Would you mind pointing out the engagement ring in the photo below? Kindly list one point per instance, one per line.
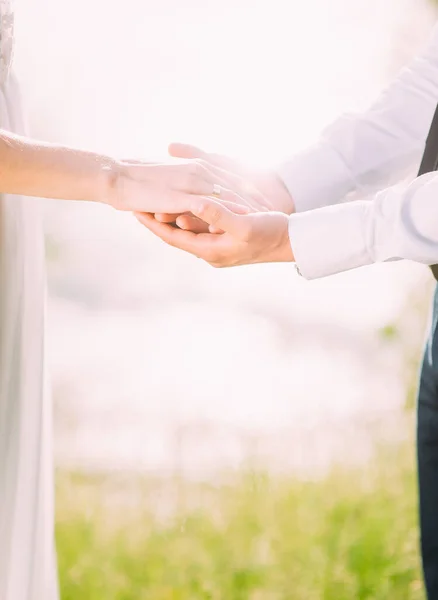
(216, 190)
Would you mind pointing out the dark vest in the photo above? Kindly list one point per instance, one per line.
(429, 161)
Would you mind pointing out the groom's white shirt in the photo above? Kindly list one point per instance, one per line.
(366, 153)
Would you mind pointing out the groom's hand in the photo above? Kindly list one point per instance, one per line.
(258, 190)
(250, 238)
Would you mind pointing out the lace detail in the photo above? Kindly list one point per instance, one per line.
(6, 38)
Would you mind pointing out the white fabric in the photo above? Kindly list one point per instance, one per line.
(27, 556)
(363, 154)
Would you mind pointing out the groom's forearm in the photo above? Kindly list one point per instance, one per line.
(34, 168)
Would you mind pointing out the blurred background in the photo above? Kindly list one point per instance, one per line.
(238, 433)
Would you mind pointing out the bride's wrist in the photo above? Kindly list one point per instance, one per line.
(111, 174)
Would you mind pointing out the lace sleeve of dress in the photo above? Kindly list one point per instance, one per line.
(6, 38)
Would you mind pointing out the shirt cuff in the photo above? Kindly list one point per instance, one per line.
(317, 177)
(330, 240)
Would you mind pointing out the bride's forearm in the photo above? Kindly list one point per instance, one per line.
(33, 168)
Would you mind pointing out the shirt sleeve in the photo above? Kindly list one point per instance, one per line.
(399, 223)
(367, 152)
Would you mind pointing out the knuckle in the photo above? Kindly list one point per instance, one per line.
(195, 177)
(196, 169)
(187, 177)
(200, 165)
(190, 181)
(214, 215)
(202, 211)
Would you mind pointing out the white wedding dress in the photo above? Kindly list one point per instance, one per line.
(27, 554)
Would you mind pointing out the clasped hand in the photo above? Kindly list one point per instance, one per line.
(246, 223)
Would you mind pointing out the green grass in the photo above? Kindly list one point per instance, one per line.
(350, 536)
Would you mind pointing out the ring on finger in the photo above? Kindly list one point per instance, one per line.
(216, 190)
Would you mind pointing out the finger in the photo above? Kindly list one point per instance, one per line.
(228, 199)
(225, 170)
(219, 216)
(249, 195)
(191, 223)
(167, 217)
(248, 192)
(203, 245)
(137, 161)
(185, 151)
(232, 201)
(157, 200)
(227, 163)
(229, 172)
(178, 150)
(184, 221)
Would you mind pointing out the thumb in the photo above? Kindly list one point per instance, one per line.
(238, 209)
(185, 151)
(219, 217)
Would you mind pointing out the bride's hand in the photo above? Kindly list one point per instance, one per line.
(171, 188)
